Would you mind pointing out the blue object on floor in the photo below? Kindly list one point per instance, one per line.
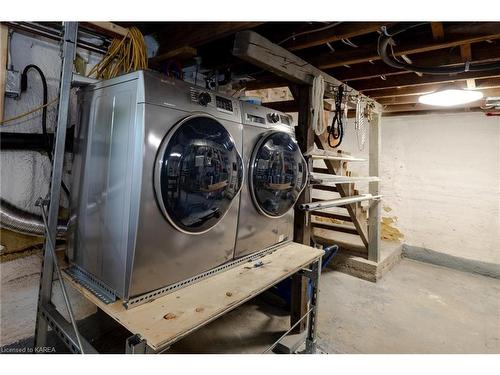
(284, 288)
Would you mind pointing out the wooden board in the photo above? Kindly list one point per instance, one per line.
(181, 53)
(4, 35)
(254, 48)
(108, 28)
(173, 316)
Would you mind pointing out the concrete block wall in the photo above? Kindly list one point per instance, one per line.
(25, 176)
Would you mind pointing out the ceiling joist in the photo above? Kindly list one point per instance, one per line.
(195, 34)
(455, 35)
(485, 83)
(414, 80)
(344, 30)
(437, 31)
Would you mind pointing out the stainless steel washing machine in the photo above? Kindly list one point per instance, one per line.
(277, 174)
(157, 177)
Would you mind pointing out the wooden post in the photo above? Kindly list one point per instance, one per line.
(374, 189)
(4, 36)
(302, 229)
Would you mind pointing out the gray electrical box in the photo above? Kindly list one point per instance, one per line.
(13, 83)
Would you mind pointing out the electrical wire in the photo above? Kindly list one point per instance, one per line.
(336, 130)
(123, 56)
(385, 39)
(318, 92)
(329, 26)
(24, 87)
(17, 117)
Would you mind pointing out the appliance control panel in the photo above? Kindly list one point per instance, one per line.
(208, 99)
(223, 103)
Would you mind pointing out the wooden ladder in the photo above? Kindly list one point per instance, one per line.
(349, 231)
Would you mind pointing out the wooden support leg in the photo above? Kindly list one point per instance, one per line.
(374, 189)
(4, 32)
(302, 229)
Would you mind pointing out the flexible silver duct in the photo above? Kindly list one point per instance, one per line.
(23, 222)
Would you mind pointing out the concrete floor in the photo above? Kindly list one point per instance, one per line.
(415, 308)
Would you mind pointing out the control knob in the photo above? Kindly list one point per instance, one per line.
(273, 117)
(204, 98)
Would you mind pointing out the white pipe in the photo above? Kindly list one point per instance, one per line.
(337, 202)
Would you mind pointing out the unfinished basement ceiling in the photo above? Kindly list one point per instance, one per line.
(348, 52)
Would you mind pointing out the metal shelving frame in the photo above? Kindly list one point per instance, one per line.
(47, 315)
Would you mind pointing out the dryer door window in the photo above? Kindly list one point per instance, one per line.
(198, 173)
(278, 174)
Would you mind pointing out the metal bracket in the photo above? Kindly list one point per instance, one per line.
(137, 345)
(63, 329)
(139, 300)
(311, 331)
(96, 287)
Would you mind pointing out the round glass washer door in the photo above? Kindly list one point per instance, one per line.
(278, 174)
(198, 173)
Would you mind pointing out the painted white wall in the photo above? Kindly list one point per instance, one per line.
(441, 177)
(441, 181)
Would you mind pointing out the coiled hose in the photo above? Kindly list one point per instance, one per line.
(17, 220)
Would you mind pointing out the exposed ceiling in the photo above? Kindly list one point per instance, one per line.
(348, 52)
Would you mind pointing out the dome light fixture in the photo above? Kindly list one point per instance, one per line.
(450, 97)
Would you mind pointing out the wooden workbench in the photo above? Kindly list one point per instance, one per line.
(169, 318)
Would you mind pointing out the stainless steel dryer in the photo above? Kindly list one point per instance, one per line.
(277, 174)
(157, 176)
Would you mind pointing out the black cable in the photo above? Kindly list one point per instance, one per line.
(386, 37)
(24, 87)
(48, 139)
(336, 130)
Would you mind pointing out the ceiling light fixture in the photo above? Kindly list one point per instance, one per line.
(450, 97)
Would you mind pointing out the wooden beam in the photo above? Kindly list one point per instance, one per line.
(283, 106)
(466, 52)
(422, 107)
(329, 188)
(437, 31)
(343, 31)
(412, 99)
(334, 227)
(4, 37)
(455, 35)
(107, 28)
(291, 106)
(302, 228)
(181, 53)
(432, 111)
(484, 83)
(268, 81)
(331, 215)
(256, 49)
(374, 213)
(195, 34)
(414, 80)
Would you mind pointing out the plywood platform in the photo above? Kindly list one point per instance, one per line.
(173, 316)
